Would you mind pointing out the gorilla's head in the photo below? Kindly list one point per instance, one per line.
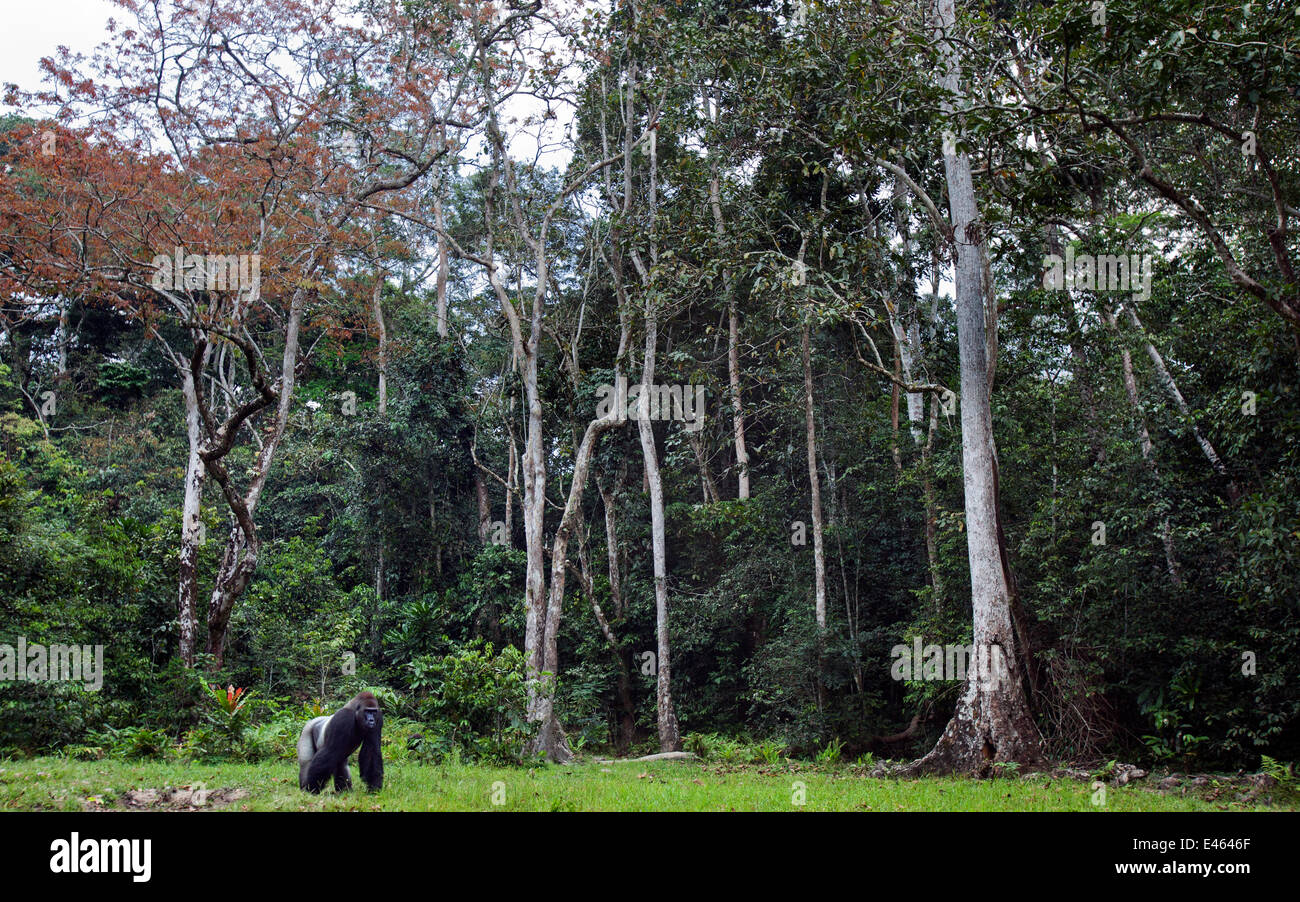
(367, 709)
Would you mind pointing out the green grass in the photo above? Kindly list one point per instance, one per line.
(61, 784)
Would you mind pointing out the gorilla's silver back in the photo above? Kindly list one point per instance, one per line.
(309, 740)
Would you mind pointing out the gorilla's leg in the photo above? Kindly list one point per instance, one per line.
(342, 776)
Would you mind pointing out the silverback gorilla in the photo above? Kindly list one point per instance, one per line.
(326, 743)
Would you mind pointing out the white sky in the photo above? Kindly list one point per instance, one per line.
(35, 28)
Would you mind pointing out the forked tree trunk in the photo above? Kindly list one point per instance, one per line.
(239, 560)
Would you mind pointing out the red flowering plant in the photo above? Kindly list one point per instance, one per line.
(230, 711)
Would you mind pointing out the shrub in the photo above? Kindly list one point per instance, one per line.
(476, 699)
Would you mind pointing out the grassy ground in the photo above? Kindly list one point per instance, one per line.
(60, 784)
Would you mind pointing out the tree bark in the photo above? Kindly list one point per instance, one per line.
(992, 723)
(669, 736)
(441, 309)
(814, 484)
(239, 560)
(191, 529)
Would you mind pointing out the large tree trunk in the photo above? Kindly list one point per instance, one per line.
(191, 529)
(814, 484)
(932, 508)
(441, 309)
(552, 739)
(541, 688)
(904, 321)
(484, 507)
(669, 737)
(381, 328)
(992, 723)
(239, 560)
(627, 722)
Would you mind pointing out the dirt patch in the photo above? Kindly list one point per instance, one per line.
(1250, 789)
(180, 798)
(1247, 788)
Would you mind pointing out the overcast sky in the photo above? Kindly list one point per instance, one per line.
(34, 28)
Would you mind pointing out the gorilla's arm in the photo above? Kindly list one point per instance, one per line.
(370, 759)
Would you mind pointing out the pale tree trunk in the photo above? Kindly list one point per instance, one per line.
(540, 708)
(191, 528)
(904, 323)
(894, 395)
(733, 317)
(382, 331)
(992, 722)
(554, 743)
(1167, 382)
(927, 453)
(381, 327)
(814, 483)
(931, 508)
(669, 735)
(626, 733)
(512, 466)
(1144, 440)
(542, 612)
(484, 507)
(552, 739)
(540, 702)
(64, 337)
(707, 485)
(441, 309)
(239, 560)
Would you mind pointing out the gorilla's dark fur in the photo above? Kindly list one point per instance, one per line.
(327, 742)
